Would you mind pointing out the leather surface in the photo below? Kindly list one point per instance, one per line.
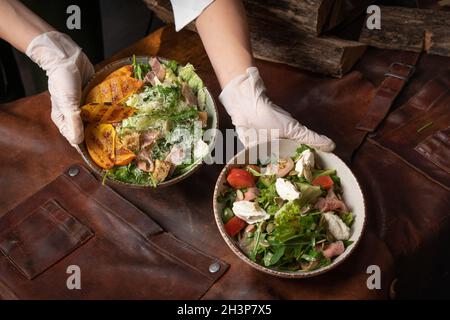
(402, 222)
(419, 131)
(121, 253)
(396, 77)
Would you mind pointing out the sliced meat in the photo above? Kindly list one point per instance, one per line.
(157, 69)
(188, 95)
(148, 138)
(331, 203)
(176, 156)
(251, 194)
(333, 250)
(152, 78)
(281, 168)
(144, 161)
(145, 165)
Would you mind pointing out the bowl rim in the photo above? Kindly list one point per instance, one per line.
(112, 66)
(283, 274)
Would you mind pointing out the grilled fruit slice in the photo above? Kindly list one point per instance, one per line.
(114, 90)
(124, 71)
(100, 141)
(105, 112)
(123, 155)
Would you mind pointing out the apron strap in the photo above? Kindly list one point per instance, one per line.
(398, 75)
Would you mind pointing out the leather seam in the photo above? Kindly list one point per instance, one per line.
(417, 116)
(167, 253)
(161, 250)
(407, 163)
(92, 196)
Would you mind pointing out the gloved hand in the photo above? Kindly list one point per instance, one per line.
(250, 109)
(68, 69)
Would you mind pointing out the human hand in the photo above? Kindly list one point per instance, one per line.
(67, 68)
(251, 110)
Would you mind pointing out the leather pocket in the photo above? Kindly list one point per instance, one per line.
(44, 237)
(418, 132)
(436, 148)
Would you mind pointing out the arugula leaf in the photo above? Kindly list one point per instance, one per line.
(347, 243)
(336, 180)
(271, 258)
(190, 113)
(257, 237)
(311, 256)
(132, 174)
(227, 215)
(267, 199)
(227, 197)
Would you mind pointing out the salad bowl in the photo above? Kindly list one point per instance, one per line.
(211, 123)
(269, 152)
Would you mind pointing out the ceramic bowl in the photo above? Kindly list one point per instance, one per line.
(98, 77)
(352, 195)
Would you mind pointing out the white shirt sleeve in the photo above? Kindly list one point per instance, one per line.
(185, 11)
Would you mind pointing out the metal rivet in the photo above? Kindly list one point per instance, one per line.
(73, 172)
(213, 268)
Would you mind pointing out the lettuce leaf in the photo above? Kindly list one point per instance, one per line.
(187, 74)
(201, 97)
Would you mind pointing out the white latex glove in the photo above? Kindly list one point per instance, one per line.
(68, 69)
(250, 109)
(186, 11)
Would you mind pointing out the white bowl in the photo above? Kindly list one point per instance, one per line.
(352, 195)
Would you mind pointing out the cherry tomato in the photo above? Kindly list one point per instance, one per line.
(234, 226)
(324, 181)
(240, 178)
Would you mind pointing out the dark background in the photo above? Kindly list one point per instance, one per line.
(106, 27)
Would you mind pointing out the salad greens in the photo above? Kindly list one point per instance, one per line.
(304, 231)
(140, 69)
(165, 131)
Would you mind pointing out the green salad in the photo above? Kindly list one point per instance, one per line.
(287, 215)
(166, 129)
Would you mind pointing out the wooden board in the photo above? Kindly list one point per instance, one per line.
(411, 29)
(345, 11)
(311, 16)
(279, 40)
